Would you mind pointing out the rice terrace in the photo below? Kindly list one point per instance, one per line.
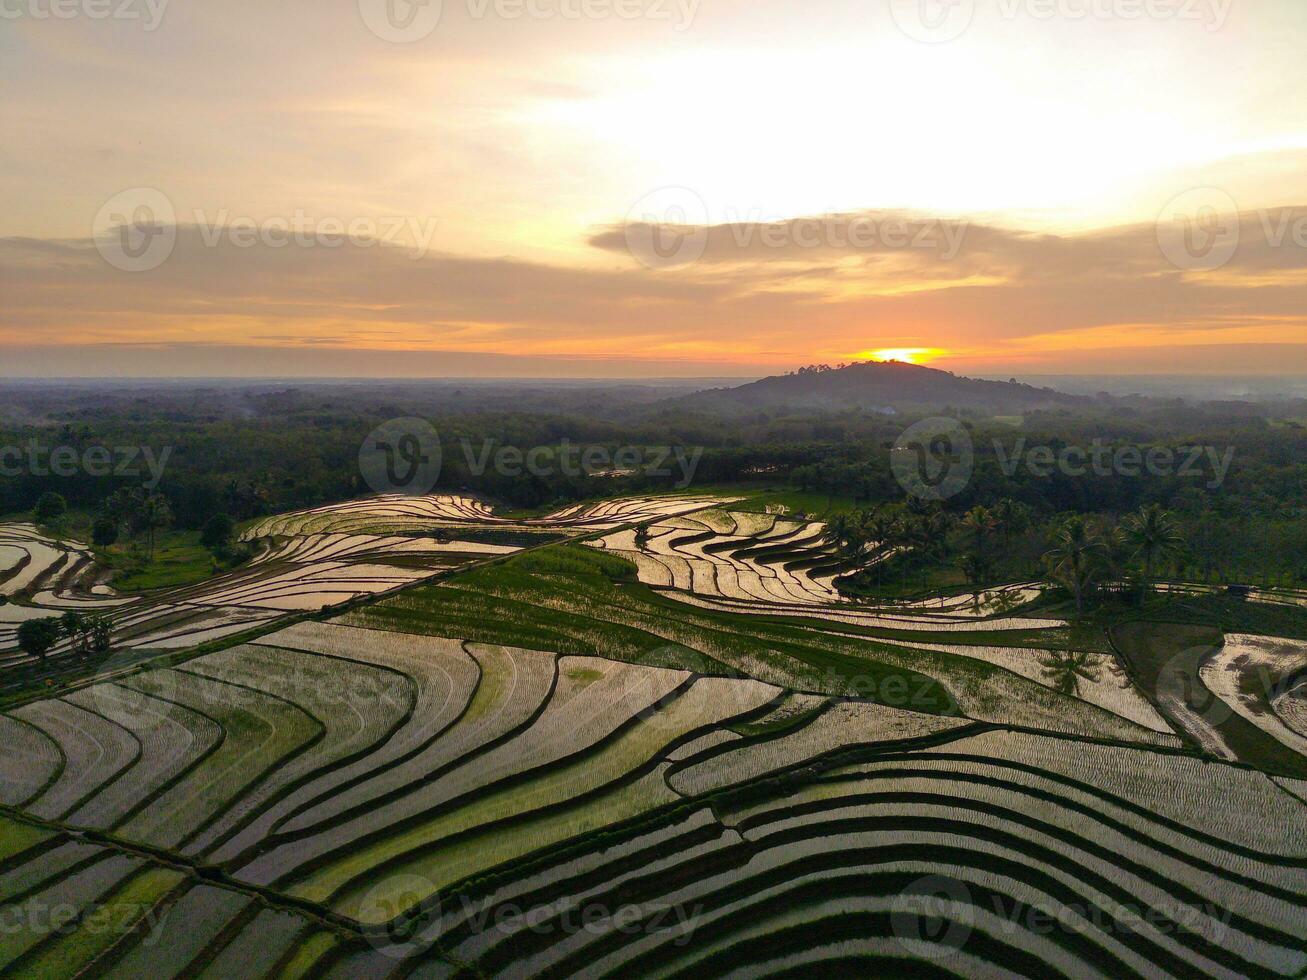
(649, 737)
(623, 489)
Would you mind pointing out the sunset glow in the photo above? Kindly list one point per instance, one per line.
(908, 355)
(805, 193)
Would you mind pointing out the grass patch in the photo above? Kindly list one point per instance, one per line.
(816, 505)
(179, 559)
(574, 599)
(1165, 660)
(104, 925)
(17, 836)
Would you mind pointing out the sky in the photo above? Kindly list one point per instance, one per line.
(626, 188)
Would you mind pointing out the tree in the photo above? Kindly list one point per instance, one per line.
(121, 506)
(217, 532)
(50, 507)
(72, 627)
(1066, 668)
(87, 633)
(155, 514)
(1010, 519)
(1154, 536)
(37, 636)
(104, 532)
(1078, 556)
(978, 526)
(99, 633)
(837, 530)
(882, 531)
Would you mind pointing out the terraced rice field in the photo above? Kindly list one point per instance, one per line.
(570, 764)
(308, 560)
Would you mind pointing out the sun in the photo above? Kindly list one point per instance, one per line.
(908, 355)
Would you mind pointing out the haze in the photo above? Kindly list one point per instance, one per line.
(1006, 200)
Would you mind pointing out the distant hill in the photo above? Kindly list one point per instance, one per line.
(884, 385)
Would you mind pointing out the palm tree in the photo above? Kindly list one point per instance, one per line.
(882, 531)
(937, 526)
(1010, 517)
(1078, 555)
(73, 627)
(1066, 668)
(155, 514)
(837, 529)
(879, 527)
(1154, 536)
(978, 524)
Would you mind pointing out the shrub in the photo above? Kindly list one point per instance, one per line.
(104, 532)
(50, 507)
(37, 636)
(217, 532)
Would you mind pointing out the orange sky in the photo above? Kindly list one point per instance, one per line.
(693, 188)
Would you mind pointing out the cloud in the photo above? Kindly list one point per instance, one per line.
(1003, 295)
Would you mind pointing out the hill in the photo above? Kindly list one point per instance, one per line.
(879, 385)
